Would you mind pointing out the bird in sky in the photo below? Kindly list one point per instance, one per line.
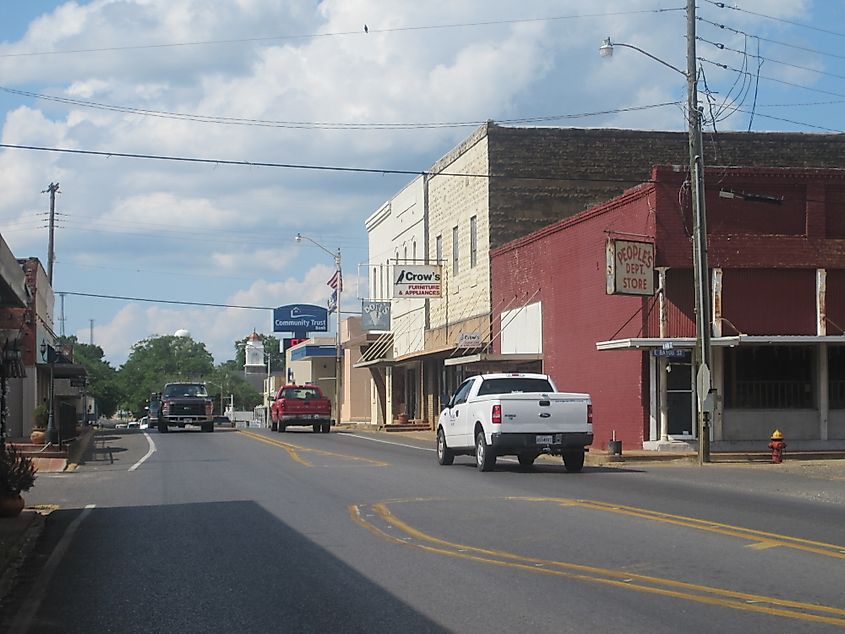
(366, 30)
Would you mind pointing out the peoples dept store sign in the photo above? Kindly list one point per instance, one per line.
(300, 318)
(630, 267)
(418, 280)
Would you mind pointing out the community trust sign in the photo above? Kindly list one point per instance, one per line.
(630, 267)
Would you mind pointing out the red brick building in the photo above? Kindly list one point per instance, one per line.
(776, 248)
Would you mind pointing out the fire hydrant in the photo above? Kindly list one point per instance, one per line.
(777, 445)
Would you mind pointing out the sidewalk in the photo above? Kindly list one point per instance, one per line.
(598, 457)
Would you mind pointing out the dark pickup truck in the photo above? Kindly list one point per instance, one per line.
(301, 405)
(185, 404)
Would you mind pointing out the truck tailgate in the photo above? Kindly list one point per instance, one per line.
(531, 413)
(306, 406)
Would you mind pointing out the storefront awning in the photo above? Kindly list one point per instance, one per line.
(489, 357)
(646, 343)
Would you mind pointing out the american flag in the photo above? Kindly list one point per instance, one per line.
(336, 281)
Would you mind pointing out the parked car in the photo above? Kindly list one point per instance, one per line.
(222, 420)
(517, 414)
(144, 422)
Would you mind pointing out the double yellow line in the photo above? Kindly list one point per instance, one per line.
(379, 519)
(294, 451)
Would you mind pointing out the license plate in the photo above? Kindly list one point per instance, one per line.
(545, 439)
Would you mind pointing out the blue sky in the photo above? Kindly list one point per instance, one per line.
(302, 83)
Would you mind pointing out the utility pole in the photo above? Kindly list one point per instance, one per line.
(91, 332)
(703, 358)
(51, 255)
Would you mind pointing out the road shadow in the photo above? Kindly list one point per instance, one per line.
(206, 567)
(546, 467)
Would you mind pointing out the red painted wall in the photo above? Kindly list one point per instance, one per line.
(768, 253)
(567, 263)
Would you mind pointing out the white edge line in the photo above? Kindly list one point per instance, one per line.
(147, 455)
(388, 442)
(24, 618)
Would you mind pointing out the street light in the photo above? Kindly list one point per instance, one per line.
(338, 288)
(703, 350)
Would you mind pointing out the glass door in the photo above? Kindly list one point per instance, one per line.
(680, 394)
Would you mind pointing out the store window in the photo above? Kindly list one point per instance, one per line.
(836, 376)
(769, 377)
(473, 241)
(454, 250)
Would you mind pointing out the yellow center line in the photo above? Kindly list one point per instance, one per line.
(293, 451)
(770, 540)
(608, 576)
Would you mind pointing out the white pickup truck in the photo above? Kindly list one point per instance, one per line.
(517, 414)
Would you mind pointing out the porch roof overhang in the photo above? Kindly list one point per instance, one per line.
(373, 363)
(64, 370)
(489, 357)
(646, 343)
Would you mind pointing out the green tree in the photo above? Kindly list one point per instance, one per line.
(155, 361)
(227, 379)
(102, 378)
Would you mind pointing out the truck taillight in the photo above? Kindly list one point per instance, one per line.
(166, 407)
(209, 407)
(589, 413)
(496, 416)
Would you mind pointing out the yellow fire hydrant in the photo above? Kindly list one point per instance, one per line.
(777, 445)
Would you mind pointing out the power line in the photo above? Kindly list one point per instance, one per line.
(769, 40)
(320, 168)
(804, 25)
(725, 47)
(371, 31)
(165, 301)
(322, 125)
(777, 81)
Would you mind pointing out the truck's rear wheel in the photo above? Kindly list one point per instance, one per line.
(573, 460)
(326, 428)
(274, 426)
(162, 427)
(485, 456)
(208, 427)
(315, 428)
(283, 427)
(445, 456)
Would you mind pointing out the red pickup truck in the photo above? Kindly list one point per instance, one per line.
(301, 405)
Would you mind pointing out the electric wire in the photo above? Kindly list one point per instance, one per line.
(769, 40)
(300, 166)
(163, 301)
(371, 31)
(322, 125)
(773, 79)
(804, 25)
(722, 46)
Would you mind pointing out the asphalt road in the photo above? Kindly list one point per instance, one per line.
(256, 531)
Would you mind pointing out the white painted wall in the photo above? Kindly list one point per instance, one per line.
(452, 202)
(522, 329)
